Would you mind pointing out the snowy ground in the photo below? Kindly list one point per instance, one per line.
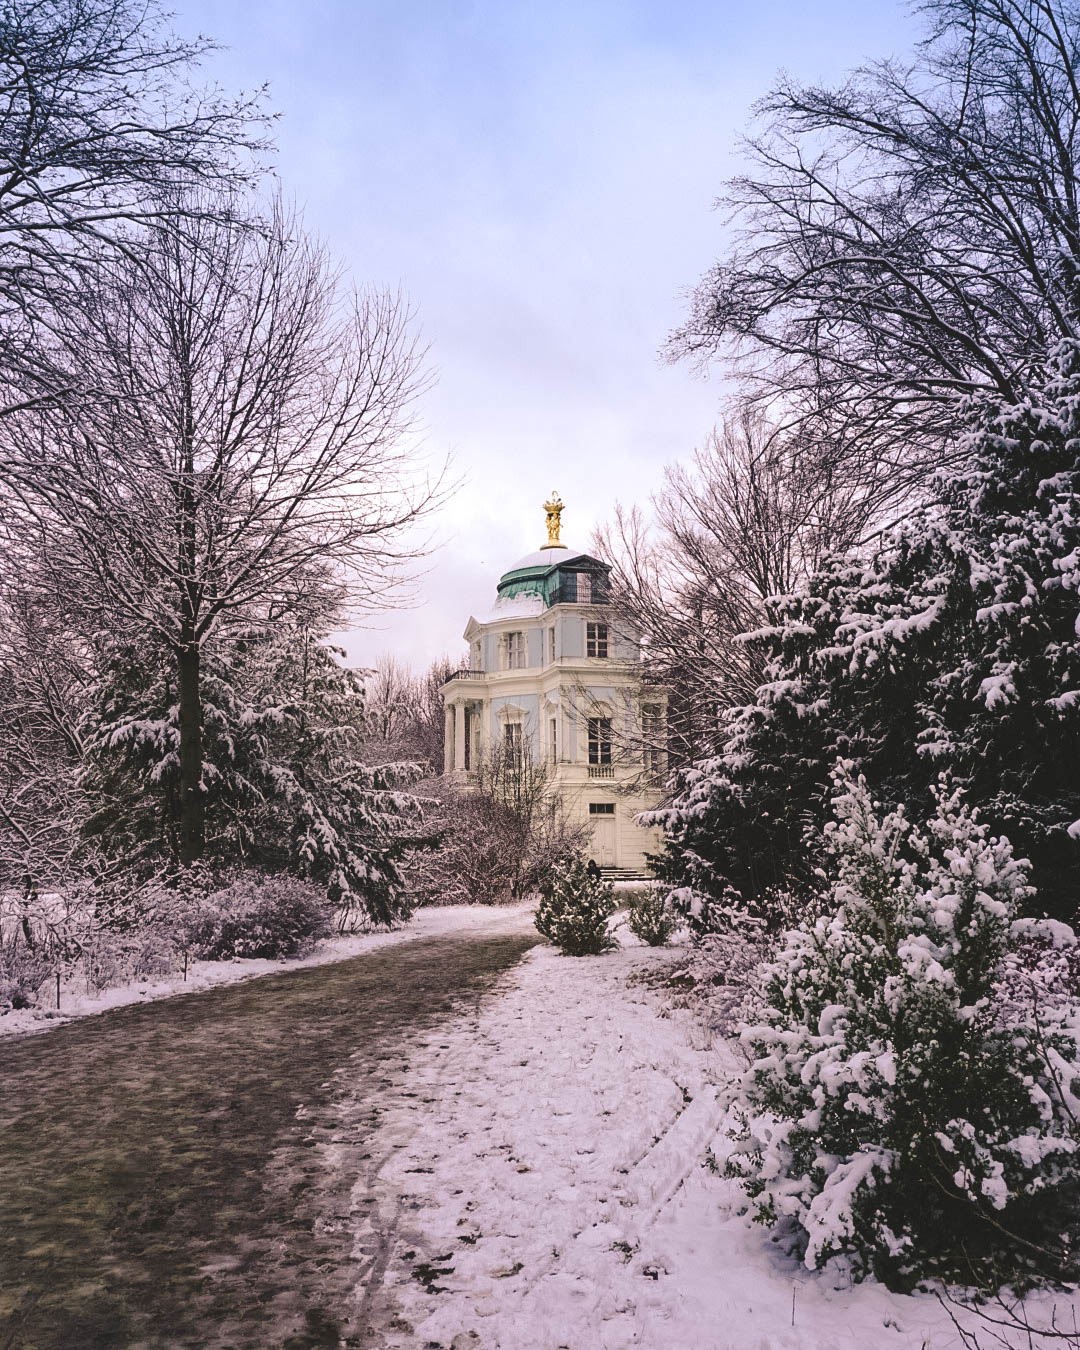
(207, 974)
(536, 1180)
(534, 1177)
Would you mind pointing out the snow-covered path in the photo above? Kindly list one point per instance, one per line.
(440, 1145)
(161, 1165)
(536, 1180)
(441, 921)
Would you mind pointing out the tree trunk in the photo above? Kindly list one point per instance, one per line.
(191, 823)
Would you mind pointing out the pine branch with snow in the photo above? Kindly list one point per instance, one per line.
(285, 786)
(955, 647)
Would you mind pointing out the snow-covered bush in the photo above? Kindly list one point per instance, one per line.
(23, 970)
(261, 916)
(904, 1106)
(108, 957)
(703, 913)
(650, 919)
(722, 974)
(574, 908)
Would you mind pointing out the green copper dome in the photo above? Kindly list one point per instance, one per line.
(535, 574)
(551, 574)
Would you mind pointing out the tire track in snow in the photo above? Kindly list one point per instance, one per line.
(562, 1119)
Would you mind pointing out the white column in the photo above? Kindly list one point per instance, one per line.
(483, 732)
(459, 737)
(448, 740)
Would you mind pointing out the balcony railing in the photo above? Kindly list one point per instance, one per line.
(569, 595)
(464, 675)
(601, 771)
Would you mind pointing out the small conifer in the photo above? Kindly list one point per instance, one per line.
(575, 905)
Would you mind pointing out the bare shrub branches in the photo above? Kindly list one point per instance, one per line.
(43, 680)
(498, 840)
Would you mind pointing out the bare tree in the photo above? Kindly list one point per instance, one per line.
(96, 116)
(43, 679)
(763, 507)
(753, 516)
(231, 450)
(425, 728)
(908, 239)
(404, 711)
(388, 697)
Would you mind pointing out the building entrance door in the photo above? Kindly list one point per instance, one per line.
(602, 820)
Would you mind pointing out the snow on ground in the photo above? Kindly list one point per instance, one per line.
(536, 1179)
(446, 920)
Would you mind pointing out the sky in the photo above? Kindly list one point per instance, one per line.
(539, 180)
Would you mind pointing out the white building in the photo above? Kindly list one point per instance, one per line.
(554, 679)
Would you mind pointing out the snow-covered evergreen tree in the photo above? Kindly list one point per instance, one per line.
(904, 1107)
(955, 647)
(575, 905)
(284, 783)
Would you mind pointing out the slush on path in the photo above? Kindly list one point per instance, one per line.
(159, 1176)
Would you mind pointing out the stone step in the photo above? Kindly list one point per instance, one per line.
(626, 874)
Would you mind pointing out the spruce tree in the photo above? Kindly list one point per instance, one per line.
(954, 646)
(285, 786)
(910, 1098)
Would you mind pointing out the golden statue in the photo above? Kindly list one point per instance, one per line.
(554, 509)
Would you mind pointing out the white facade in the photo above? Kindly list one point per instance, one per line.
(554, 681)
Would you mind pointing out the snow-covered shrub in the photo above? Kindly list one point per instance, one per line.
(574, 908)
(650, 919)
(904, 1106)
(1041, 971)
(23, 970)
(108, 958)
(261, 916)
(703, 913)
(726, 913)
(723, 972)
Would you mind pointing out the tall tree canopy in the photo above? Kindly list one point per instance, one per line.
(750, 519)
(909, 238)
(908, 286)
(97, 117)
(229, 455)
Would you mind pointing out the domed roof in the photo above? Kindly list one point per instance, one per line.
(537, 573)
(542, 561)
